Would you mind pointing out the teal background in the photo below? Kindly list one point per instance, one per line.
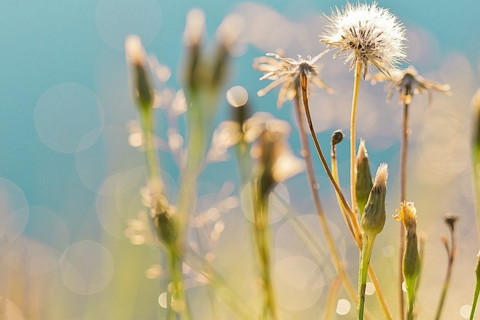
(80, 42)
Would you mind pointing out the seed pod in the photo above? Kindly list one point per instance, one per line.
(364, 177)
(142, 85)
(373, 219)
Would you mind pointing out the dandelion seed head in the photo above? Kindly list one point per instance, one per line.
(286, 72)
(409, 83)
(368, 34)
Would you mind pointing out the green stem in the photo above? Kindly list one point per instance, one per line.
(262, 236)
(475, 299)
(403, 197)
(363, 271)
(353, 124)
(178, 302)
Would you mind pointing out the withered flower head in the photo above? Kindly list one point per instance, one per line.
(286, 72)
(275, 160)
(407, 214)
(368, 34)
(409, 83)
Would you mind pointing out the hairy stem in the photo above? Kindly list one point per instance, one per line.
(363, 271)
(353, 141)
(403, 197)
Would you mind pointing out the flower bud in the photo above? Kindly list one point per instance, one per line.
(142, 86)
(165, 227)
(364, 182)
(373, 219)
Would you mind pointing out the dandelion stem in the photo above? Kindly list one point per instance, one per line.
(303, 81)
(316, 198)
(477, 288)
(475, 300)
(353, 124)
(365, 255)
(451, 257)
(403, 198)
(357, 237)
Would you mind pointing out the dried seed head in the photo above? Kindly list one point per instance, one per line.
(409, 83)
(286, 72)
(368, 34)
(364, 177)
(142, 86)
(373, 219)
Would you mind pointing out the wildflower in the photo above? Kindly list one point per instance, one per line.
(407, 214)
(286, 72)
(370, 34)
(409, 83)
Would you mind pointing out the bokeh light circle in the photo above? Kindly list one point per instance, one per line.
(116, 19)
(299, 282)
(86, 267)
(64, 114)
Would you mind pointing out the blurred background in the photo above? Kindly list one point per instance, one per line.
(71, 169)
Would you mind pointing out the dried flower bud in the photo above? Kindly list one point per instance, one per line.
(193, 38)
(407, 214)
(373, 219)
(364, 177)
(411, 259)
(477, 269)
(165, 227)
(142, 87)
(450, 221)
(227, 34)
(337, 137)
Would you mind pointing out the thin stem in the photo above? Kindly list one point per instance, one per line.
(331, 299)
(354, 221)
(379, 292)
(353, 141)
(316, 199)
(403, 197)
(303, 81)
(348, 222)
(177, 303)
(475, 299)
(262, 237)
(153, 168)
(451, 257)
(363, 271)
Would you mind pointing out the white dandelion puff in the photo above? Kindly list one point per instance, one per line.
(367, 34)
